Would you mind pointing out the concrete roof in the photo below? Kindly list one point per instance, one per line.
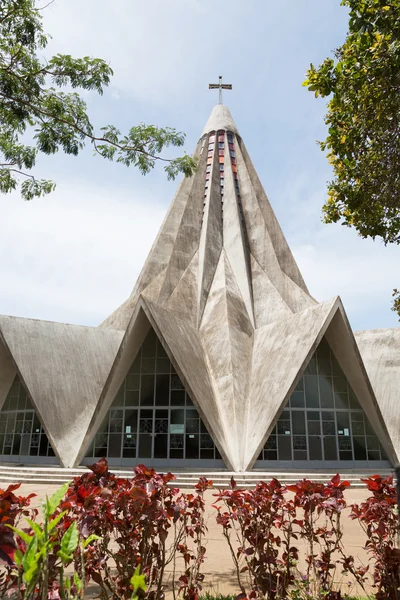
(224, 294)
(64, 368)
(226, 298)
(380, 351)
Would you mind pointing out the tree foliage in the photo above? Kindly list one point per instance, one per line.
(363, 114)
(35, 108)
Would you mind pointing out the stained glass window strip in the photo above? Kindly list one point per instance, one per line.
(21, 433)
(323, 420)
(232, 155)
(152, 415)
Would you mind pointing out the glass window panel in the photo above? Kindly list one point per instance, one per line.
(297, 399)
(283, 426)
(353, 400)
(284, 447)
(330, 451)
(148, 365)
(324, 367)
(323, 350)
(300, 385)
(313, 415)
(163, 365)
(311, 367)
(131, 420)
(119, 397)
(147, 390)
(161, 446)
(176, 383)
(25, 441)
(271, 443)
(300, 454)
(149, 345)
(188, 400)
(343, 423)
(299, 442)
(271, 455)
(145, 445)
(372, 442)
(311, 390)
(314, 428)
(341, 400)
(357, 427)
(314, 448)
(177, 398)
(340, 384)
(368, 429)
(328, 428)
(135, 368)
(336, 369)
(326, 391)
(298, 422)
(132, 398)
(178, 416)
(43, 445)
(373, 455)
(345, 455)
(345, 443)
(206, 454)
(162, 390)
(192, 446)
(360, 452)
(132, 382)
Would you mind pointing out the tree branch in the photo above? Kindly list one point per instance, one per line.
(40, 111)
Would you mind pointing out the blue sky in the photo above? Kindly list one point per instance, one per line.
(75, 255)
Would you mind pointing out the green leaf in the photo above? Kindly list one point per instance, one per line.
(56, 520)
(18, 557)
(54, 501)
(138, 581)
(36, 528)
(30, 562)
(22, 534)
(66, 558)
(70, 539)
(77, 582)
(90, 539)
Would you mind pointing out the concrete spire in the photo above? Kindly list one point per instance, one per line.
(222, 289)
(220, 118)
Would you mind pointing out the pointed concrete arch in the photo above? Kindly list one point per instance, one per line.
(8, 371)
(300, 336)
(63, 367)
(185, 353)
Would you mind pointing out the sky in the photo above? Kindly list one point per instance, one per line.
(74, 256)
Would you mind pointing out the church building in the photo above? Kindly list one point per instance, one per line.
(220, 358)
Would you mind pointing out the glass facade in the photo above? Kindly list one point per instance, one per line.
(323, 420)
(21, 433)
(152, 416)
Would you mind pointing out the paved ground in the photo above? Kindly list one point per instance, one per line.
(218, 568)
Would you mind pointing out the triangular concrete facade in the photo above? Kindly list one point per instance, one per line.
(64, 368)
(225, 295)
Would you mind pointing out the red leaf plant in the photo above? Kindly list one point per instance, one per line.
(379, 520)
(261, 527)
(140, 521)
(258, 526)
(13, 509)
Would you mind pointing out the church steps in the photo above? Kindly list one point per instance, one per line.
(185, 480)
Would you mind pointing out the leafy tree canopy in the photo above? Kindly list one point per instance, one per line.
(363, 116)
(34, 106)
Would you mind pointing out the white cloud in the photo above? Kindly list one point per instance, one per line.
(74, 256)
